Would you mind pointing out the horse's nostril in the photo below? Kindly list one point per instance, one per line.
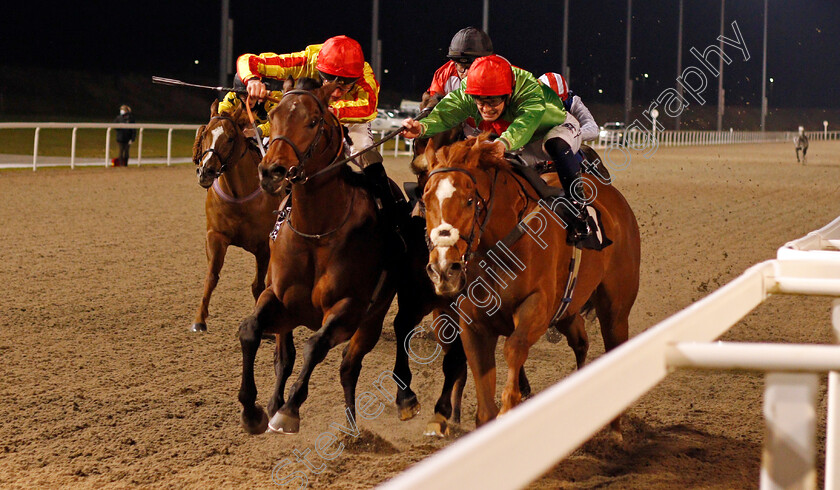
(444, 233)
(432, 271)
(279, 171)
(455, 266)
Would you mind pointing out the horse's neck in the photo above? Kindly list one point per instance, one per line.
(318, 207)
(241, 178)
(510, 205)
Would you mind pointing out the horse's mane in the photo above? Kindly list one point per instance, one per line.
(474, 153)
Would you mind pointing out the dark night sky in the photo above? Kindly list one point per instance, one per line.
(164, 38)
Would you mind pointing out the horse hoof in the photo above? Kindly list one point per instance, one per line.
(198, 327)
(408, 412)
(284, 424)
(437, 427)
(254, 421)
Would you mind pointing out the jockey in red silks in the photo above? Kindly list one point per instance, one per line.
(341, 60)
(529, 117)
(467, 45)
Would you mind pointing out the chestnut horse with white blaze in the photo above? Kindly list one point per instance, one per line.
(474, 200)
(329, 267)
(238, 212)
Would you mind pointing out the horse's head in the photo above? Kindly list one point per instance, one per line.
(456, 196)
(215, 144)
(305, 136)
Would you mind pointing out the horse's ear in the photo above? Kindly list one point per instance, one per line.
(429, 155)
(197, 143)
(289, 84)
(239, 115)
(495, 149)
(214, 108)
(325, 91)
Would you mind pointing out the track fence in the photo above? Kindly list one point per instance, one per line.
(37, 158)
(641, 139)
(552, 424)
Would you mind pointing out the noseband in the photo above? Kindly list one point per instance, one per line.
(223, 161)
(479, 205)
(297, 173)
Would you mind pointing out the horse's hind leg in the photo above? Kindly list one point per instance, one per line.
(284, 362)
(574, 328)
(215, 247)
(254, 418)
(612, 304)
(333, 331)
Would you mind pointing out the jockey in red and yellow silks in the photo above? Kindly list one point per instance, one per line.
(354, 101)
(357, 105)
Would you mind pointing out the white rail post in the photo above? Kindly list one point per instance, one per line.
(107, 146)
(35, 150)
(139, 146)
(832, 430)
(789, 454)
(169, 147)
(73, 149)
(396, 145)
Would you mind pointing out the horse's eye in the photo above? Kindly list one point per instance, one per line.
(469, 202)
(313, 123)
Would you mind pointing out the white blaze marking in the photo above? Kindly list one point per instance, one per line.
(217, 131)
(444, 191)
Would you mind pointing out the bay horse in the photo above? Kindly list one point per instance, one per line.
(473, 202)
(238, 212)
(801, 143)
(329, 265)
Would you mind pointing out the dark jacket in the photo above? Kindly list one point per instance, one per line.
(125, 135)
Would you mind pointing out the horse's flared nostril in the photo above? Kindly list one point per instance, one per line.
(455, 267)
(433, 272)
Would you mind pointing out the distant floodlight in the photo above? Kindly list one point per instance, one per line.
(195, 61)
(386, 70)
(600, 91)
(771, 79)
(646, 75)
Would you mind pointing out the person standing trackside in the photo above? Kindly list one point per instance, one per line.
(125, 136)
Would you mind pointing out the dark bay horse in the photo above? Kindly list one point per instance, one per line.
(238, 212)
(473, 202)
(329, 266)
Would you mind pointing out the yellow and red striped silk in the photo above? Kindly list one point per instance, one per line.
(357, 105)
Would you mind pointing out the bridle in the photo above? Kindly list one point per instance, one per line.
(223, 161)
(297, 173)
(479, 206)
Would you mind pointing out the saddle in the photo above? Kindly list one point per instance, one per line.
(597, 240)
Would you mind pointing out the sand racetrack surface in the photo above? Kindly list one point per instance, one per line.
(103, 385)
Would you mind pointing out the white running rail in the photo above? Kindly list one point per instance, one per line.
(640, 139)
(552, 424)
(107, 127)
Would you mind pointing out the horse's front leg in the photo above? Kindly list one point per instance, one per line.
(480, 349)
(262, 256)
(334, 330)
(215, 246)
(530, 321)
(254, 419)
(284, 362)
(454, 373)
(409, 315)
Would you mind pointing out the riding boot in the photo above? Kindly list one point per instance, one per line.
(568, 170)
(392, 209)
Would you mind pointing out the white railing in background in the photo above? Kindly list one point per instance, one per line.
(699, 138)
(519, 447)
(169, 128)
(398, 141)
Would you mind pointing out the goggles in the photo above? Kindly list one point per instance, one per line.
(492, 101)
(343, 82)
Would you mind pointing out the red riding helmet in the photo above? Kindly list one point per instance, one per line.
(342, 57)
(557, 83)
(489, 76)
